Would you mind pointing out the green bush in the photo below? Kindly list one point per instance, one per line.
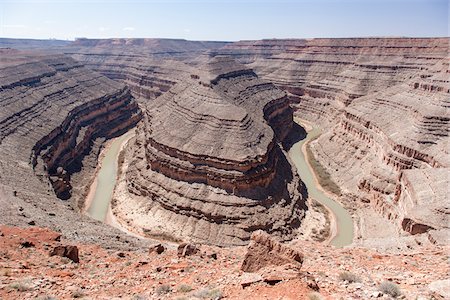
(78, 294)
(315, 296)
(184, 288)
(390, 288)
(348, 276)
(163, 289)
(212, 294)
(20, 286)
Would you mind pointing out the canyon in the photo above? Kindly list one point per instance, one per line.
(214, 122)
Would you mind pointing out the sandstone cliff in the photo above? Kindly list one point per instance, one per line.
(207, 162)
(55, 114)
(384, 105)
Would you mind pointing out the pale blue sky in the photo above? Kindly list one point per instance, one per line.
(222, 19)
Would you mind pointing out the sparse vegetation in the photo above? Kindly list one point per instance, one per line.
(160, 236)
(5, 272)
(212, 294)
(20, 286)
(47, 297)
(184, 288)
(349, 277)
(324, 232)
(315, 296)
(322, 174)
(163, 289)
(78, 294)
(390, 288)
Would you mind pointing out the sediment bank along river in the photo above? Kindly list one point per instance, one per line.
(102, 189)
(99, 197)
(343, 221)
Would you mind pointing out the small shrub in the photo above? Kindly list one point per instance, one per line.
(212, 294)
(184, 288)
(5, 272)
(20, 286)
(315, 296)
(47, 297)
(390, 288)
(348, 276)
(78, 294)
(163, 289)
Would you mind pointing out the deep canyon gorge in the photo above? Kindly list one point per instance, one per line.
(214, 126)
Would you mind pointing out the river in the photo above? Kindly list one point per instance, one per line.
(344, 222)
(106, 178)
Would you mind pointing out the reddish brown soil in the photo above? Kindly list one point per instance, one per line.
(30, 273)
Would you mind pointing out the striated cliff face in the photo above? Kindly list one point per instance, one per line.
(149, 67)
(207, 162)
(384, 105)
(147, 77)
(53, 111)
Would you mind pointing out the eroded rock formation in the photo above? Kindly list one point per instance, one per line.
(208, 159)
(149, 67)
(384, 103)
(53, 111)
(264, 251)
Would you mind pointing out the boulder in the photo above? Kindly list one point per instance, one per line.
(159, 248)
(187, 249)
(440, 289)
(264, 251)
(71, 252)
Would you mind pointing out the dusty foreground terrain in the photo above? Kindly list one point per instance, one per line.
(27, 271)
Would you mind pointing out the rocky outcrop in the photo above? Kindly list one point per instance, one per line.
(264, 251)
(383, 103)
(421, 198)
(324, 75)
(207, 155)
(149, 67)
(147, 77)
(69, 251)
(53, 111)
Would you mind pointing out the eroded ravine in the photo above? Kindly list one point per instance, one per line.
(343, 221)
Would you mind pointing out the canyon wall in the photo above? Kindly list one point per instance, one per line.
(55, 113)
(207, 162)
(149, 67)
(383, 103)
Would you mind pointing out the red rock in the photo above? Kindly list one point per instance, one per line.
(159, 248)
(264, 251)
(186, 249)
(71, 252)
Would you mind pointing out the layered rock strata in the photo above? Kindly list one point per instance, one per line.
(208, 160)
(323, 76)
(39, 94)
(384, 105)
(149, 67)
(53, 109)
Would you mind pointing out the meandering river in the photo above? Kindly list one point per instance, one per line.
(344, 222)
(106, 180)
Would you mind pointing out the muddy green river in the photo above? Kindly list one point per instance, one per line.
(106, 179)
(344, 223)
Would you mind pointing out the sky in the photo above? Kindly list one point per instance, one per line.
(224, 20)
